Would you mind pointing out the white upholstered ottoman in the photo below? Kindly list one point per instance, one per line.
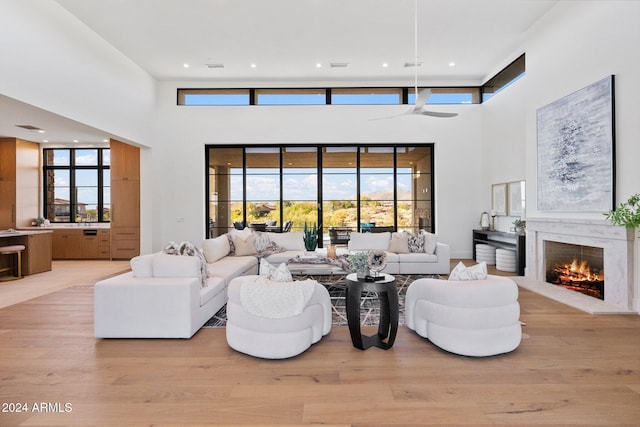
(276, 338)
(471, 318)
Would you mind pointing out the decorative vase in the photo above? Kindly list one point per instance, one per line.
(361, 273)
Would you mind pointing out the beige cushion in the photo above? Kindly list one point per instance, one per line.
(142, 265)
(216, 248)
(399, 243)
(244, 246)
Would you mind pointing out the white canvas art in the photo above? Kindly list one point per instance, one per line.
(575, 151)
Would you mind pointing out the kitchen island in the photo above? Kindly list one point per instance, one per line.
(37, 255)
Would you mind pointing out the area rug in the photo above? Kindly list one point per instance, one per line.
(369, 306)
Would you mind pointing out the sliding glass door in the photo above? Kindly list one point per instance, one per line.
(280, 188)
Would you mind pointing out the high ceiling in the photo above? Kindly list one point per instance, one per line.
(287, 39)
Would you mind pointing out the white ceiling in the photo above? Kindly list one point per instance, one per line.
(285, 39)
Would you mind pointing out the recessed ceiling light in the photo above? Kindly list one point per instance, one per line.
(318, 65)
(105, 140)
(452, 64)
(185, 65)
(75, 140)
(385, 64)
(253, 65)
(45, 140)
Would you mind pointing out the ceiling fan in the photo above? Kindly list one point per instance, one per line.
(423, 96)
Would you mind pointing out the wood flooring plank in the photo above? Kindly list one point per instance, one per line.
(571, 369)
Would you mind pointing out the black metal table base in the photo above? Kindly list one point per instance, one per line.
(389, 313)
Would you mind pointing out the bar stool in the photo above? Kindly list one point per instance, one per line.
(10, 250)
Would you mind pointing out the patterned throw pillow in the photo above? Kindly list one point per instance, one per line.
(475, 272)
(261, 241)
(416, 242)
(277, 274)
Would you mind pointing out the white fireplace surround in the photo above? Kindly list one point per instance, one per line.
(618, 245)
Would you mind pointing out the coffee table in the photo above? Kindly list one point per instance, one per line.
(389, 311)
(313, 267)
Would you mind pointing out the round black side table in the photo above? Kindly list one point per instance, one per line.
(389, 311)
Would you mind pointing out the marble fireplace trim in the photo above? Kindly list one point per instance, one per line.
(617, 242)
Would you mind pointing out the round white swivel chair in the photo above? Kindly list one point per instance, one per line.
(276, 338)
(470, 318)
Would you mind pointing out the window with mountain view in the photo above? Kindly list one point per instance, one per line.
(362, 188)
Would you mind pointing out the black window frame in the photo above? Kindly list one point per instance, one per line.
(72, 167)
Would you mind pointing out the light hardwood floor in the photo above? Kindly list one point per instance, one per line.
(571, 368)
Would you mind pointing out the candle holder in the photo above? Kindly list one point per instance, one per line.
(493, 223)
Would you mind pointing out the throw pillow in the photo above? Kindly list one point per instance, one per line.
(430, 242)
(277, 274)
(244, 246)
(416, 242)
(475, 272)
(216, 248)
(261, 241)
(266, 268)
(399, 243)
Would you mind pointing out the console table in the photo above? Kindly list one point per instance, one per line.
(504, 240)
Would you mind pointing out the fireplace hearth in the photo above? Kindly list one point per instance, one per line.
(606, 250)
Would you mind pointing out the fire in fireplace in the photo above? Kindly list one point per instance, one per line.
(575, 267)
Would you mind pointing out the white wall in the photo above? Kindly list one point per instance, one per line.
(504, 142)
(183, 132)
(53, 61)
(574, 45)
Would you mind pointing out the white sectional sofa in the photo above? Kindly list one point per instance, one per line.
(164, 296)
(434, 258)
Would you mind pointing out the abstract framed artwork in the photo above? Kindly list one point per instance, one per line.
(576, 142)
(499, 199)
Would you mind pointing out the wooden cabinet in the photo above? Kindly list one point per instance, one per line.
(81, 244)
(125, 242)
(19, 182)
(125, 200)
(125, 161)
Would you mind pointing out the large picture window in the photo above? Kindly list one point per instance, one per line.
(280, 188)
(77, 185)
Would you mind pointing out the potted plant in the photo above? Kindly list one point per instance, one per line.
(310, 237)
(627, 214)
(359, 263)
(520, 225)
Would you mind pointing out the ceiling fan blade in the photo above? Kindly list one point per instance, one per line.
(422, 99)
(412, 111)
(435, 113)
